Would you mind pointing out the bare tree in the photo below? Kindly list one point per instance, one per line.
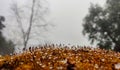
(28, 17)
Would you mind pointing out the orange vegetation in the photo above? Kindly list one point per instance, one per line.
(54, 57)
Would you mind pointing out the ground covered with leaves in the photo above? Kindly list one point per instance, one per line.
(57, 57)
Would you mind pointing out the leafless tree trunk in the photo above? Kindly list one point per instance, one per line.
(35, 16)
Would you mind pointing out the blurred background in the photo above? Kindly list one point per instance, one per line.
(32, 23)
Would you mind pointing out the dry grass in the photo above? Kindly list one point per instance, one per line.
(54, 57)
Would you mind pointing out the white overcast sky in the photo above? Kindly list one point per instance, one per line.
(67, 15)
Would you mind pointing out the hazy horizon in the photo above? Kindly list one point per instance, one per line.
(66, 15)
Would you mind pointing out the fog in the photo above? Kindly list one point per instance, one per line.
(66, 15)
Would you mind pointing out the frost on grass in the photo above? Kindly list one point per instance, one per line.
(51, 57)
(117, 66)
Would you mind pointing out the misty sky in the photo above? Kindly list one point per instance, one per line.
(66, 15)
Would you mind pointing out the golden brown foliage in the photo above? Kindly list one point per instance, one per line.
(54, 57)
